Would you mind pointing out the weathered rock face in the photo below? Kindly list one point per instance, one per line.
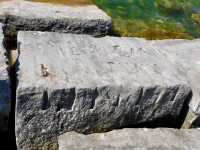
(29, 16)
(84, 84)
(133, 139)
(5, 97)
(184, 54)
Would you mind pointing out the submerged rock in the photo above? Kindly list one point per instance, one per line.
(196, 18)
(79, 83)
(133, 139)
(5, 91)
(184, 55)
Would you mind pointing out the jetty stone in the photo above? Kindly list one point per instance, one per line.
(5, 91)
(79, 83)
(29, 16)
(133, 139)
(184, 55)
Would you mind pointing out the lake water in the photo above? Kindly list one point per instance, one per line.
(154, 19)
(151, 19)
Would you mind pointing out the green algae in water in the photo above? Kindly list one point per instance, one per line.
(150, 19)
(153, 19)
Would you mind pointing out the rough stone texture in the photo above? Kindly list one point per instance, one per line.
(133, 139)
(5, 97)
(2, 18)
(192, 120)
(79, 83)
(184, 54)
(29, 16)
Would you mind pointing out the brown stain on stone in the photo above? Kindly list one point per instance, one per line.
(44, 71)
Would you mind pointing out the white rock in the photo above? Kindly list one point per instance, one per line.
(132, 139)
(79, 83)
(184, 55)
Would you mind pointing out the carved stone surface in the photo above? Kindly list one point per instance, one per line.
(29, 16)
(184, 55)
(5, 91)
(133, 139)
(79, 83)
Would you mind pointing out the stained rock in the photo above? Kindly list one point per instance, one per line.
(133, 139)
(79, 83)
(5, 91)
(24, 15)
(184, 55)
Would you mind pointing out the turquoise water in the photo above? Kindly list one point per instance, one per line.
(150, 19)
(153, 19)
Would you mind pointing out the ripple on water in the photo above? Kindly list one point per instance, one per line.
(150, 19)
(153, 19)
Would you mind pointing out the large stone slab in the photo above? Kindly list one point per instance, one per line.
(5, 96)
(79, 83)
(29, 16)
(133, 139)
(184, 54)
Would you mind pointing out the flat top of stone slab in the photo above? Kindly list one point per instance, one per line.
(136, 139)
(45, 10)
(184, 54)
(65, 60)
(3, 58)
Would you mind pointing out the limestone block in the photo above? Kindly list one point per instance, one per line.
(133, 139)
(79, 83)
(5, 96)
(184, 55)
(29, 16)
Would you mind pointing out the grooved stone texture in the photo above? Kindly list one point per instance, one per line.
(133, 139)
(184, 55)
(5, 91)
(79, 83)
(23, 16)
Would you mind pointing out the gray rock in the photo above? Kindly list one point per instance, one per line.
(184, 55)
(79, 83)
(2, 18)
(133, 139)
(5, 97)
(29, 16)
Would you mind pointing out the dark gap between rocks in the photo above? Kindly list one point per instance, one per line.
(165, 122)
(185, 109)
(8, 140)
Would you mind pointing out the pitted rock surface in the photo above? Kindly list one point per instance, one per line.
(5, 91)
(29, 16)
(79, 83)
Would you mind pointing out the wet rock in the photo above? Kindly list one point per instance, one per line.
(5, 97)
(79, 83)
(184, 55)
(23, 16)
(133, 139)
